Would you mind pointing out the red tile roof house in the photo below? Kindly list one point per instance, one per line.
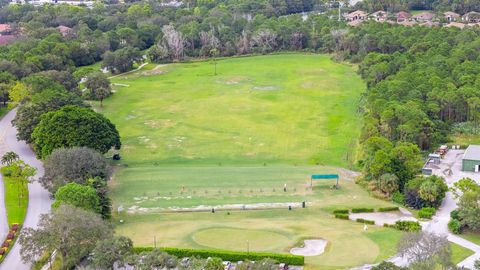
(402, 16)
(356, 15)
(423, 17)
(5, 28)
(451, 16)
(6, 39)
(64, 30)
(379, 16)
(471, 17)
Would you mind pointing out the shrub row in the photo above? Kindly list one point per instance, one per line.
(388, 209)
(226, 255)
(366, 221)
(8, 243)
(342, 216)
(426, 212)
(404, 225)
(455, 226)
(362, 210)
(340, 211)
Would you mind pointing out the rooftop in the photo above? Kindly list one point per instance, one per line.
(472, 152)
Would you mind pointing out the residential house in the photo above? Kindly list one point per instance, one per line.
(451, 16)
(5, 29)
(356, 15)
(423, 17)
(402, 16)
(64, 30)
(379, 16)
(471, 17)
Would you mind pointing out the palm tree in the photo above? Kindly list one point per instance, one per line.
(9, 158)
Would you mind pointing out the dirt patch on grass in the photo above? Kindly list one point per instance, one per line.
(266, 88)
(234, 80)
(155, 71)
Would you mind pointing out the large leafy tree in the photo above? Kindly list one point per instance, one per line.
(79, 196)
(98, 87)
(28, 115)
(72, 232)
(77, 165)
(110, 251)
(74, 126)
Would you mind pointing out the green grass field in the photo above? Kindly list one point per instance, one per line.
(460, 253)
(3, 111)
(192, 139)
(16, 209)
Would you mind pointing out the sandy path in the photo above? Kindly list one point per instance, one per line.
(313, 247)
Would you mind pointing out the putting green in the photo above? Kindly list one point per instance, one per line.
(240, 239)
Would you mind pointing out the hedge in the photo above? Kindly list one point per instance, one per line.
(361, 220)
(226, 255)
(426, 212)
(342, 216)
(388, 209)
(362, 210)
(455, 226)
(340, 211)
(404, 225)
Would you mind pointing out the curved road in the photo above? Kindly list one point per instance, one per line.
(39, 200)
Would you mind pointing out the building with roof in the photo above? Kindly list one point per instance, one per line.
(356, 15)
(5, 28)
(379, 16)
(6, 39)
(423, 17)
(64, 30)
(451, 16)
(456, 24)
(471, 17)
(402, 16)
(471, 159)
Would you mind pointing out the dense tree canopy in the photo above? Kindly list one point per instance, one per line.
(77, 195)
(72, 126)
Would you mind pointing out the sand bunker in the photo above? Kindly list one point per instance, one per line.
(312, 247)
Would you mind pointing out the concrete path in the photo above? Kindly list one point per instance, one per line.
(439, 223)
(39, 200)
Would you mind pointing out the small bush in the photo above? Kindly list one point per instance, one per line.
(408, 226)
(454, 226)
(454, 215)
(362, 210)
(342, 216)
(388, 209)
(426, 212)
(340, 211)
(398, 197)
(366, 221)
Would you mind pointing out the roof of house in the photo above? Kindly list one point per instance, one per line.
(472, 152)
(359, 13)
(455, 24)
(6, 39)
(472, 13)
(4, 27)
(424, 16)
(451, 14)
(403, 14)
(64, 29)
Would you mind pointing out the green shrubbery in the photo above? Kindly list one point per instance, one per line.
(342, 216)
(228, 255)
(398, 197)
(366, 221)
(426, 212)
(455, 226)
(388, 209)
(340, 211)
(362, 210)
(405, 225)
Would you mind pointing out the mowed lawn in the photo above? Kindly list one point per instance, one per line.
(193, 139)
(282, 108)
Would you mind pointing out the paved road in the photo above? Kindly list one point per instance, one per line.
(439, 223)
(3, 213)
(39, 200)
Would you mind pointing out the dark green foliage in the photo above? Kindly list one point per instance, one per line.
(111, 250)
(233, 256)
(105, 202)
(398, 197)
(362, 210)
(79, 196)
(425, 192)
(426, 212)
(454, 215)
(455, 226)
(366, 221)
(341, 216)
(73, 126)
(340, 211)
(387, 266)
(388, 209)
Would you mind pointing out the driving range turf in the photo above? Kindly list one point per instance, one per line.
(192, 138)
